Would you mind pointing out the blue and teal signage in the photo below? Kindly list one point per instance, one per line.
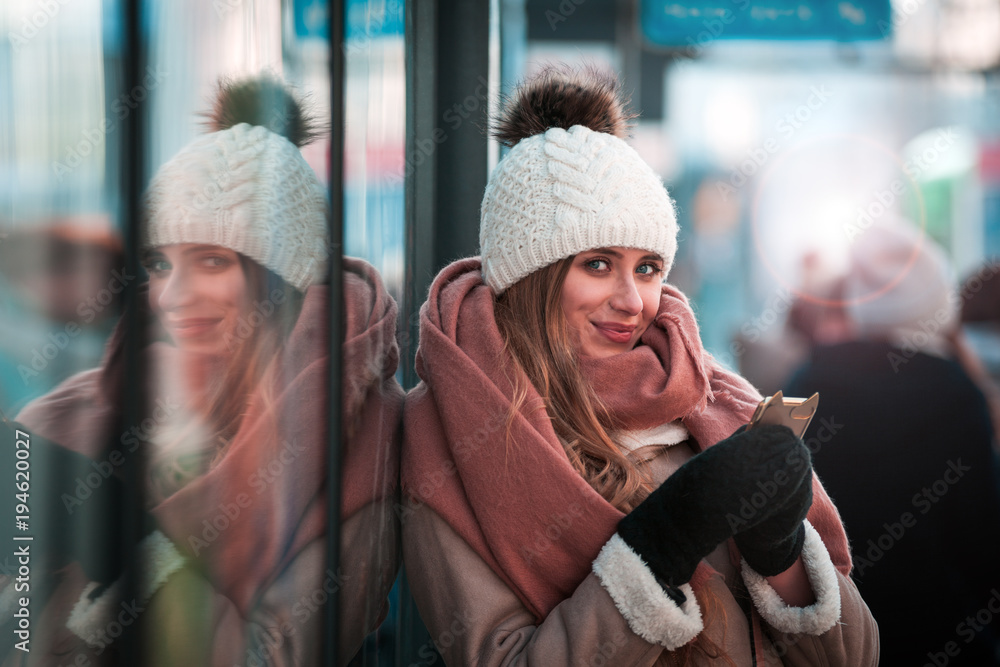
(693, 23)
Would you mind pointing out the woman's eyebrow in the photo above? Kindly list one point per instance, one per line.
(618, 255)
(201, 247)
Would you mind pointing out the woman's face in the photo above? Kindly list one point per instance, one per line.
(610, 297)
(198, 292)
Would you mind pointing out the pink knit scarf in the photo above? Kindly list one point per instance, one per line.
(516, 500)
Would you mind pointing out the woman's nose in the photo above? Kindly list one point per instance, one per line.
(176, 292)
(626, 297)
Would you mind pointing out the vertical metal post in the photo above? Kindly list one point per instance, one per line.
(463, 70)
(331, 618)
(447, 156)
(421, 38)
(132, 169)
(447, 99)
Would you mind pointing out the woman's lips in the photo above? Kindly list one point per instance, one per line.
(193, 327)
(616, 333)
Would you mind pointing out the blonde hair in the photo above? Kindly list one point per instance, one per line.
(530, 318)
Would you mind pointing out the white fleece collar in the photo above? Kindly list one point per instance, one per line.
(670, 433)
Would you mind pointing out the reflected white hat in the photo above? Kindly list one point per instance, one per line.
(246, 187)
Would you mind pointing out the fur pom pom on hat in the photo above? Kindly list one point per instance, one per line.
(570, 183)
(245, 185)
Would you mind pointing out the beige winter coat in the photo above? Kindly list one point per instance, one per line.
(474, 618)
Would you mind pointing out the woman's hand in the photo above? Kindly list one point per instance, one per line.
(771, 546)
(735, 486)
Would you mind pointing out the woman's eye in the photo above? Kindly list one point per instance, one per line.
(649, 269)
(157, 266)
(596, 264)
(215, 261)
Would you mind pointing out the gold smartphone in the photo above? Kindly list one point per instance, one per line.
(795, 413)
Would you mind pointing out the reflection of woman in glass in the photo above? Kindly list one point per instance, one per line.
(236, 250)
(574, 489)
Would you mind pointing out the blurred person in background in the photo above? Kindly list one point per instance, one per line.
(907, 455)
(233, 565)
(981, 332)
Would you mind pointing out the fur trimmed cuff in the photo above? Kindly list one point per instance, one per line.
(641, 600)
(818, 617)
(91, 617)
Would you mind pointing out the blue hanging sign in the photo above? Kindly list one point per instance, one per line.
(693, 23)
(374, 18)
(364, 19)
(311, 19)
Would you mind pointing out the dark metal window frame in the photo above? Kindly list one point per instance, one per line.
(447, 60)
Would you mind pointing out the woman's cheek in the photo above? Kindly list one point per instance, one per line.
(154, 297)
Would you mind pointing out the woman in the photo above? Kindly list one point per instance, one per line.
(569, 487)
(236, 250)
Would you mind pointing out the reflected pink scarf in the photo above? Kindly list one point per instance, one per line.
(502, 494)
(266, 499)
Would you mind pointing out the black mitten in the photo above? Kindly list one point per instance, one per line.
(774, 544)
(72, 500)
(696, 508)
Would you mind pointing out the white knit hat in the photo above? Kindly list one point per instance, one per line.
(248, 189)
(564, 191)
